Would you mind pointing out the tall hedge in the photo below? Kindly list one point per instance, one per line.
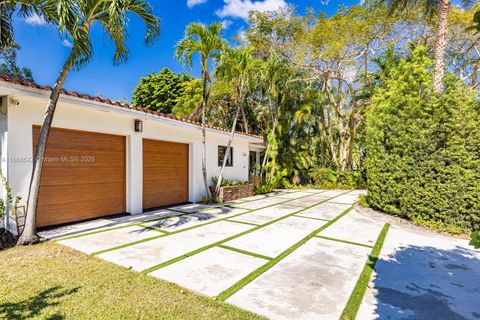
(423, 150)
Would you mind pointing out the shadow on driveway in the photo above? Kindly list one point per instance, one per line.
(428, 283)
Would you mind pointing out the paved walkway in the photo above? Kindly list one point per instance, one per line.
(292, 254)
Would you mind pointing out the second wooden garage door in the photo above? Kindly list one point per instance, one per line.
(83, 176)
(165, 173)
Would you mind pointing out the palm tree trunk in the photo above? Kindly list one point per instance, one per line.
(204, 132)
(245, 122)
(29, 233)
(440, 46)
(227, 153)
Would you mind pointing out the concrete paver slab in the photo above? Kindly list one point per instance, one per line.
(211, 271)
(108, 239)
(272, 240)
(294, 195)
(266, 215)
(182, 222)
(325, 210)
(314, 282)
(355, 228)
(424, 276)
(346, 198)
(260, 203)
(147, 254)
(191, 207)
(104, 223)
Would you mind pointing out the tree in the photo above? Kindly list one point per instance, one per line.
(25, 8)
(237, 67)
(207, 42)
(160, 92)
(75, 19)
(190, 98)
(441, 8)
(8, 56)
(423, 159)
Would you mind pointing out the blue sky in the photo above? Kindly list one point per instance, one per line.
(43, 51)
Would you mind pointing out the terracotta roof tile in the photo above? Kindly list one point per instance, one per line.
(6, 78)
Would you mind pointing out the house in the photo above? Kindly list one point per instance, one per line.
(105, 157)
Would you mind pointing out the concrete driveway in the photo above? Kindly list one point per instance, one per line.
(291, 254)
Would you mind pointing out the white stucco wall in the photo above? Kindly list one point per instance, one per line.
(75, 113)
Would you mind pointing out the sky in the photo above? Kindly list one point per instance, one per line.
(44, 51)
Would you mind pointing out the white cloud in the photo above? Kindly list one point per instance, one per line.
(67, 43)
(241, 8)
(192, 3)
(226, 24)
(35, 20)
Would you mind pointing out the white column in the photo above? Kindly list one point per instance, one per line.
(135, 173)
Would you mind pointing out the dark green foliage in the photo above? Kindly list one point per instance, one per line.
(423, 150)
(475, 239)
(226, 182)
(326, 178)
(265, 187)
(160, 92)
(8, 65)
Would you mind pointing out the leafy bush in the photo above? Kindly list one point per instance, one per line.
(327, 178)
(226, 182)
(475, 241)
(423, 150)
(264, 188)
(363, 201)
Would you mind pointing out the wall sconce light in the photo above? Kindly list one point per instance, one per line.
(138, 126)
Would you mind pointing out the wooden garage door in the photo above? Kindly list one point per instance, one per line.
(83, 176)
(165, 173)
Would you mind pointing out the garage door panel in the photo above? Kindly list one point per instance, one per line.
(89, 158)
(165, 173)
(63, 214)
(65, 175)
(81, 140)
(56, 194)
(73, 188)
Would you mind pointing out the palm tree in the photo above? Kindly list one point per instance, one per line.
(274, 77)
(25, 8)
(207, 42)
(442, 9)
(237, 67)
(75, 19)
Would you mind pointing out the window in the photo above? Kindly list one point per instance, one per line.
(222, 150)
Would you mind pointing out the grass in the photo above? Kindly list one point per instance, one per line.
(355, 300)
(49, 281)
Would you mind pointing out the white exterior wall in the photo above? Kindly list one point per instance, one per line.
(79, 114)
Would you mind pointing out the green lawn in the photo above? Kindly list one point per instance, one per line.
(49, 281)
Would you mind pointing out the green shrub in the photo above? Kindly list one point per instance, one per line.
(475, 239)
(423, 150)
(264, 188)
(363, 201)
(226, 182)
(327, 178)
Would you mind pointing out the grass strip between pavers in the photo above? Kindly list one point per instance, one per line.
(181, 214)
(253, 254)
(243, 222)
(353, 305)
(238, 235)
(261, 270)
(345, 241)
(304, 217)
(152, 228)
(193, 227)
